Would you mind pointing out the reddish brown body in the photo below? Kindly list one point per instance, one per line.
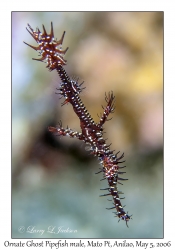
(92, 133)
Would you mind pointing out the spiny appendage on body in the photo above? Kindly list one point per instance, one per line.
(49, 48)
(111, 172)
(60, 131)
(108, 109)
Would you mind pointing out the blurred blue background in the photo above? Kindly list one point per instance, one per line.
(53, 178)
